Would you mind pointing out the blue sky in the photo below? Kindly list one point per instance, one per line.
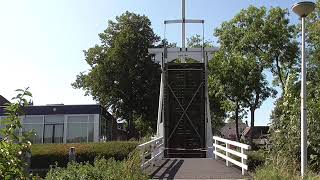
(42, 42)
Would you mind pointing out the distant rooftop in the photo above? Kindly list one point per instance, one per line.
(3, 101)
(60, 109)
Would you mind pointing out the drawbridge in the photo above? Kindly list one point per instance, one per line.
(184, 143)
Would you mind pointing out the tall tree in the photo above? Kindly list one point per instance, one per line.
(265, 35)
(285, 124)
(226, 73)
(122, 76)
(267, 40)
(234, 75)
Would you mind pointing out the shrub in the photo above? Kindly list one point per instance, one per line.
(281, 168)
(44, 155)
(256, 159)
(101, 169)
(14, 147)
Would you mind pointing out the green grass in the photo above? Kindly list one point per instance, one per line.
(274, 172)
(282, 168)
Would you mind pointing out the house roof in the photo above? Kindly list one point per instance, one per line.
(246, 131)
(3, 101)
(60, 109)
(257, 131)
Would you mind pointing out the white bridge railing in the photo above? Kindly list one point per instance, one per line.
(151, 151)
(231, 149)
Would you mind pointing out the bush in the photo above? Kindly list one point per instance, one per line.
(281, 168)
(256, 159)
(270, 172)
(101, 169)
(14, 147)
(44, 155)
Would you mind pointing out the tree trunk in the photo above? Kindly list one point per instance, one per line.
(252, 110)
(130, 127)
(281, 79)
(237, 121)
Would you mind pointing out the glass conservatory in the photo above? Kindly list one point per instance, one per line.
(67, 123)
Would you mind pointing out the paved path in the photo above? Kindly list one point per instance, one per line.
(193, 168)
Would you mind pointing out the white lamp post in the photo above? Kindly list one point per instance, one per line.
(303, 9)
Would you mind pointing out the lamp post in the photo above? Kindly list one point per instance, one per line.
(303, 9)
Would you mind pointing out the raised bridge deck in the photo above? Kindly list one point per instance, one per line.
(193, 168)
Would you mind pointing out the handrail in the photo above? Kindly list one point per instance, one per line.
(227, 150)
(234, 143)
(153, 148)
(149, 142)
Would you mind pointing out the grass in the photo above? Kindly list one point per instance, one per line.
(282, 168)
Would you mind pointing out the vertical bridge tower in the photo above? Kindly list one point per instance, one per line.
(184, 114)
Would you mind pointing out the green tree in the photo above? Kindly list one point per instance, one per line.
(164, 42)
(265, 35)
(122, 76)
(197, 42)
(14, 147)
(285, 127)
(229, 74)
(265, 39)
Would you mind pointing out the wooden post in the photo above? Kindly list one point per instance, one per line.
(142, 156)
(215, 149)
(242, 161)
(72, 154)
(153, 154)
(227, 154)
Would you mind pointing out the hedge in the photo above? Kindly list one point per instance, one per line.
(44, 155)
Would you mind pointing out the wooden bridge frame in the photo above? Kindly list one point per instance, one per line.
(153, 150)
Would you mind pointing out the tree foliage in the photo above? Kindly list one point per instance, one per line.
(229, 74)
(14, 147)
(196, 42)
(286, 114)
(122, 76)
(264, 40)
(265, 35)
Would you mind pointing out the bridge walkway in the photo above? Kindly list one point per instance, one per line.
(193, 168)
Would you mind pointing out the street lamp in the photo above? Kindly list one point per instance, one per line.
(303, 9)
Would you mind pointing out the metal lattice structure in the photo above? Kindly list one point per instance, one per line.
(184, 110)
(184, 115)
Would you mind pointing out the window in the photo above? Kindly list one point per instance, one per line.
(90, 128)
(80, 129)
(35, 124)
(53, 133)
(53, 129)
(54, 119)
(103, 126)
(1, 126)
(33, 120)
(36, 129)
